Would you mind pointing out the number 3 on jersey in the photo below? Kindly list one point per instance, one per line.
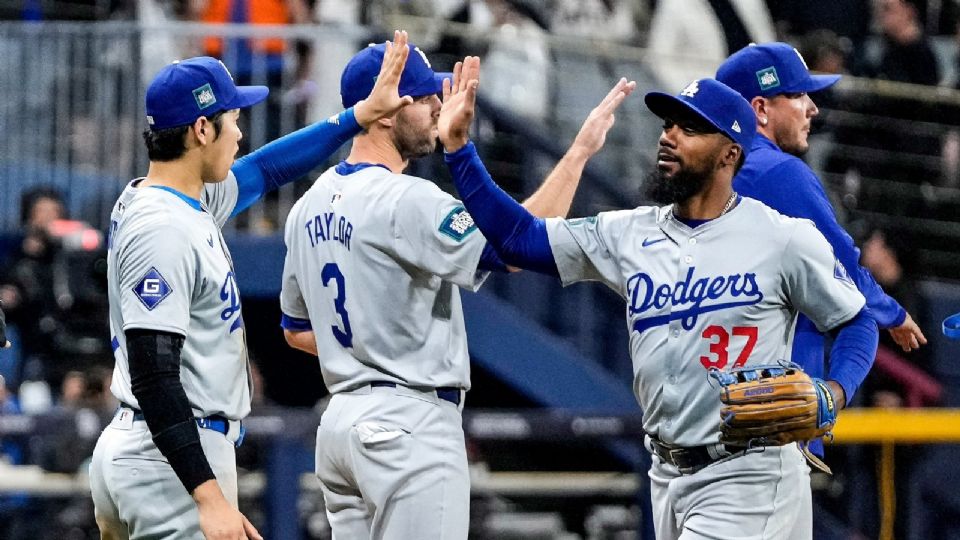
(344, 336)
(720, 341)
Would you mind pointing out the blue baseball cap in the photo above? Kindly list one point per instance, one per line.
(770, 69)
(713, 101)
(188, 89)
(418, 78)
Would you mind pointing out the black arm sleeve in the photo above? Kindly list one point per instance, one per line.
(154, 359)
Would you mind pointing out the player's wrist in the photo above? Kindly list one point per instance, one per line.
(208, 494)
(454, 145)
(839, 395)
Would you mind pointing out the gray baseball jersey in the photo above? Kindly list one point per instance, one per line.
(170, 270)
(720, 295)
(374, 261)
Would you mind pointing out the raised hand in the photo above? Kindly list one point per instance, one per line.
(385, 100)
(459, 104)
(908, 335)
(593, 133)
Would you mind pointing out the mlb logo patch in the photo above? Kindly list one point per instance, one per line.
(152, 289)
(840, 272)
(458, 224)
(204, 96)
(767, 78)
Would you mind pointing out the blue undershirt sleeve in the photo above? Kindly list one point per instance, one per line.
(490, 261)
(290, 157)
(519, 237)
(798, 193)
(853, 352)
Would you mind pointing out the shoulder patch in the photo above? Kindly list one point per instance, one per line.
(582, 221)
(840, 272)
(152, 289)
(458, 224)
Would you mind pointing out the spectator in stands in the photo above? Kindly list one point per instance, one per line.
(54, 293)
(261, 60)
(889, 259)
(887, 149)
(907, 55)
(26, 286)
(614, 20)
(689, 38)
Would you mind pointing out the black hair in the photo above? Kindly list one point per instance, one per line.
(30, 198)
(170, 144)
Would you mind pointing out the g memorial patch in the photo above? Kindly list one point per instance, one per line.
(840, 272)
(458, 224)
(152, 289)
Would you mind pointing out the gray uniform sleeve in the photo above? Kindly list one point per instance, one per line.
(584, 250)
(434, 232)
(816, 283)
(291, 296)
(221, 198)
(156, 270)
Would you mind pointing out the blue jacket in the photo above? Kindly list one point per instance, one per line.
(786, 184)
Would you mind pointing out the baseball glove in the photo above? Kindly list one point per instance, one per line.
(773, 405)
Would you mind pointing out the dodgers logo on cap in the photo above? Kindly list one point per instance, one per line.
(714, 102)
(418, 78)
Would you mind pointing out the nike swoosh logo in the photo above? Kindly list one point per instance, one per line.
(648, 242)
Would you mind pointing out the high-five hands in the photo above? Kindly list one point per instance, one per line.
(385, 100)
(593, 133)
(459, 104)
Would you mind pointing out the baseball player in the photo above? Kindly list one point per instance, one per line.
(375, 260)
(713, 281)
(165, 467)
(775, 79)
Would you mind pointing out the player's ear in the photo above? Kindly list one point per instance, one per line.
(732, 155)
(760, 110)
(201, 131)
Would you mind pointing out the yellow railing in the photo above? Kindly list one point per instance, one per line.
(897, 426)
(888, 427)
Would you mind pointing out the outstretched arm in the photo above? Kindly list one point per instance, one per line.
(516, 234)
(294, 155)
(555, 195)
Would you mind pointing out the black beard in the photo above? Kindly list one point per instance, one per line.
(683, 185)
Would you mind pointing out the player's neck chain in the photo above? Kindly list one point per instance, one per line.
(730, 202)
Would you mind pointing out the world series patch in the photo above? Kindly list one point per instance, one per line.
(152, 289)
(767, 78)
(458, 224)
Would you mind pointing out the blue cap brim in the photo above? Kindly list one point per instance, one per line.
(247, 96)
(819, 82)
(663, 105)
(430, 87)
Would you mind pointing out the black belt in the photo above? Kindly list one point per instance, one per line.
(215, 422)
(446, 393)
(690, 459)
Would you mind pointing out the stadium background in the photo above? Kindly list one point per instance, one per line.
(552, 425)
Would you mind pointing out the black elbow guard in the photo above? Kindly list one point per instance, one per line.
(154, 360)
